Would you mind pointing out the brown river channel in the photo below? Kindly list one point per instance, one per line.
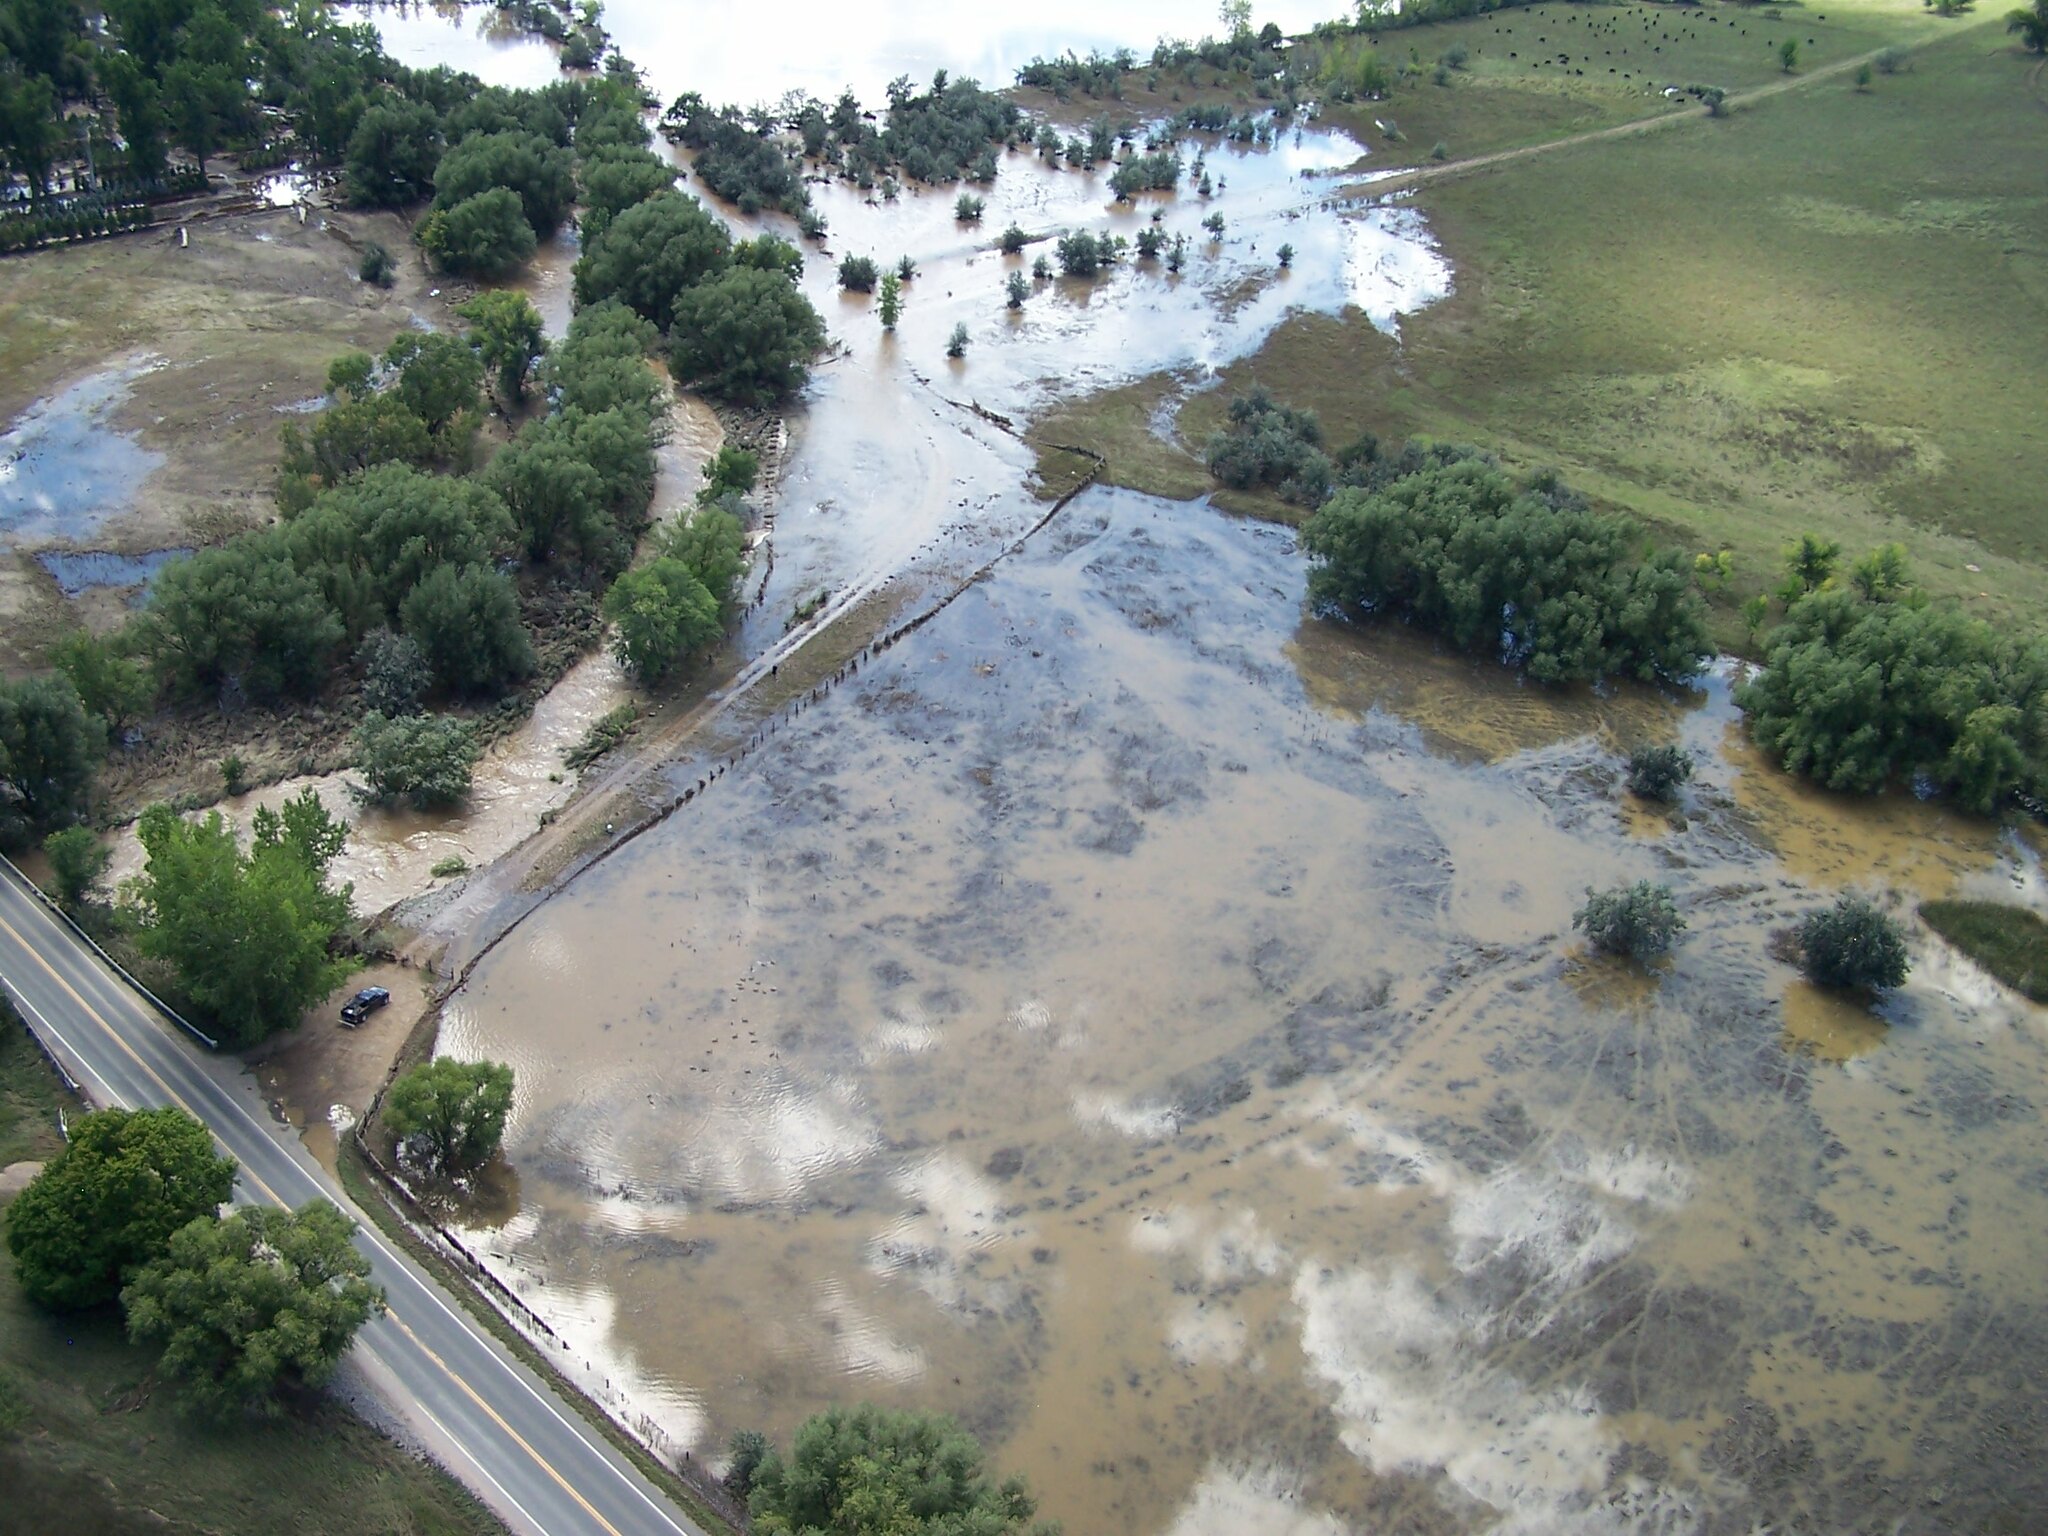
(1144, 1020)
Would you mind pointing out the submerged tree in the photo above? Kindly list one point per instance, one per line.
(450, 1115)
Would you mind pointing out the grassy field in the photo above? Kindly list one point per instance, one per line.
(1547, 71)
(1827, 312)
(2009, 942)
(90, 1442)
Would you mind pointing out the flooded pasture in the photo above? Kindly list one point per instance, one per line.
(64, 467)
(701, 45)
(1146, 1023)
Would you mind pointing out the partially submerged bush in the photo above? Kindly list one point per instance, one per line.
(1859, 694)
(1524, 571)
(1854, 946)
(1638, 920)
(1269, 444)
(1656, 773)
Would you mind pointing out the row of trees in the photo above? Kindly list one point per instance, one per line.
(247, 1307)
(194, 74)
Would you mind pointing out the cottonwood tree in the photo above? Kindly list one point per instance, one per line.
(746, 336)
(49, 747)
(250, 1306)
(109, 1202)
(448, 1115)
(425, 760)
(505, 330)
(247, 932)
(868, 1471)
(650, 254)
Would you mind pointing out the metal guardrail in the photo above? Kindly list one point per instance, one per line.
(119, 969)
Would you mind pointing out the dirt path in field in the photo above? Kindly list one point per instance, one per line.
(1421, 175)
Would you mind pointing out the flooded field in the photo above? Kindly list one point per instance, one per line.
(721, 50)
(1146, 1023)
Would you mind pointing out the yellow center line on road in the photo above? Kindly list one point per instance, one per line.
(172, 1095)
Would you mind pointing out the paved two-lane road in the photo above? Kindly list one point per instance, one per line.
(497, 1426)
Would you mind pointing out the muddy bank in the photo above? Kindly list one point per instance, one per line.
(142, 386)
(1148, 1026)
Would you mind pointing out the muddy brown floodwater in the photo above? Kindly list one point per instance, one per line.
(1145, 1022)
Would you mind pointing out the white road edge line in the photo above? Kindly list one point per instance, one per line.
(375, 1238)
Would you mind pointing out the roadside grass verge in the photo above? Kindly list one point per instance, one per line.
(1827, 313)
(2009, 942)
(89, 1442)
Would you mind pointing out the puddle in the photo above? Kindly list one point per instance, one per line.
(1115, 1021)
(77, 572)
(65, 469)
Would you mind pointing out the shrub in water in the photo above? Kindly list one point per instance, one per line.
(1853, 945)
(1655, 773)
(1637, 920)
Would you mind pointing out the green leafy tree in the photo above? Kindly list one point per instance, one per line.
(505, 330)
(49, 747)
(556, 498)
(1812, 561)
(661, 615)
(857, 274)
(424, 760)
(465, 620)
(731, 469)
(1853, 945)
(448, 1115)
(770, 253)
(2030, 25)
(1523, 572)
(956, 344)
(1882, 574)
(346, 439)
(438, 378)
(543, 175)
(108, 1203)
(253, 1305)
(29, 129)
(369, 541)
(650, 254)
(77, 860)
(745, 336)
(614, 180)
(1657, 773)
(1858, 695)
(1638, 920)
(890, 306)
(247, 933)
(1269, 444)
(395, 672)
(867, 1471)
(392, 154)
(1788, 54)
(1016, 290)
(711, 544)
(109, 683)
(485, 236)
(352, 376)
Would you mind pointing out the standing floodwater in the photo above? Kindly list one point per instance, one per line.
(1145, 1024)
